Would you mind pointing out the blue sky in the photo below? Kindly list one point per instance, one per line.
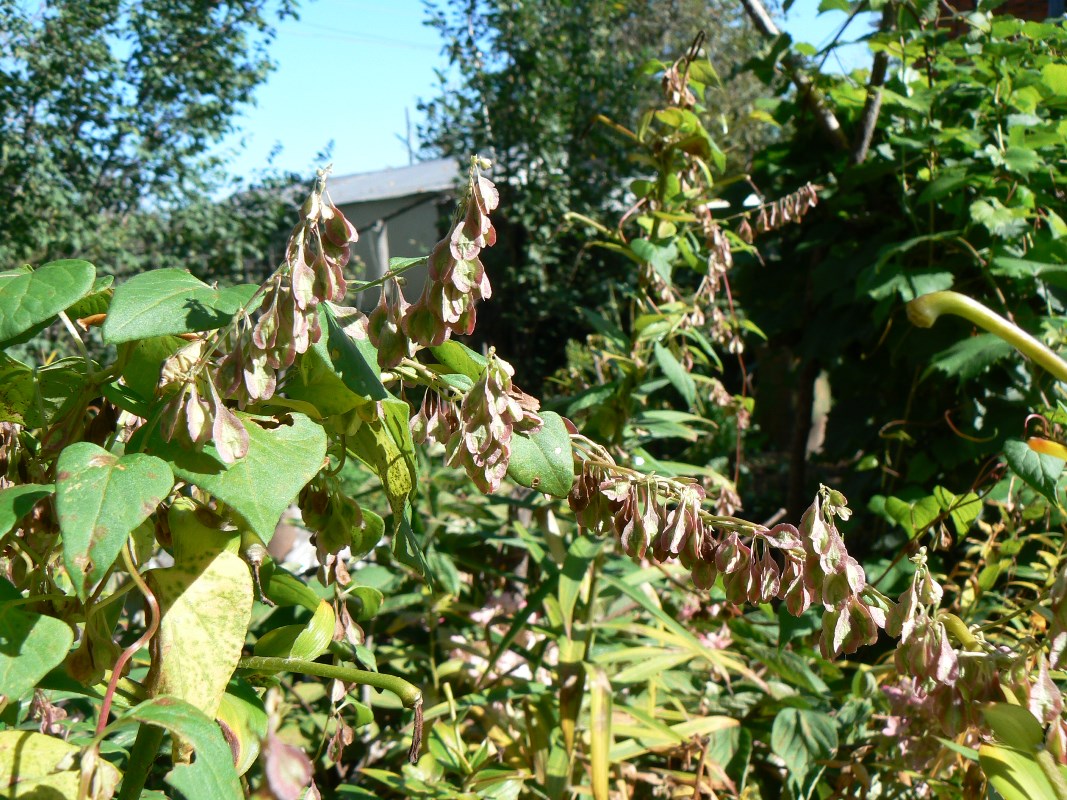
(349, 70)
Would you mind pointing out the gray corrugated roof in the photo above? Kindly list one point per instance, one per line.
(422, 178)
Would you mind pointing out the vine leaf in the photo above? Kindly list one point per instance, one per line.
(385, 445)
(543, 460)
(100, 498)
(31, 298)
(676, 374)
(1014, 773)
(212, 775)
(243, 719)
(803, 738)
(206, 605)
(282, 458)
(303, 642)
(1039, 471)
(339, 371)
(35, 765)
(17, 501)
(33, 644)
(170, 301)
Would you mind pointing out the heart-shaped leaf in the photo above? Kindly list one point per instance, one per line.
(543, 460)
(282, 457)
(100, 498)
(170, 301)
(29, 298)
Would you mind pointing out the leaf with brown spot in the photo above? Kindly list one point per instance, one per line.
(100, 499)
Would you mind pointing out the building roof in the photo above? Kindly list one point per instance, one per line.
(425, 177)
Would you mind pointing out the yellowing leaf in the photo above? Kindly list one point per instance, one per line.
(39, 766)
(206, 606)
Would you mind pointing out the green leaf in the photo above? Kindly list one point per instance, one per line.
(369, 602)
(600, 739)
(282, 458)
(543, 460)
(170, 301)
(801, 738)
(37, 397)
(459, 359)
(579, 556)
(661, 258)
(999, 220)
(31, 644)
(963, 509)
(676, 373)
(30, 298)
(17, 501)
(244, 718)
(100, 498)
(304, 642)
(339, 371)
(1039, 471)
(385, 445)
(145, 362)
(1016, 775)
(834, 5)
(1014, 725)
(33, 765)
(206, 603)
(1054, 76)
(96, 301)
(913, 517)
(971, 357)
(211, 776)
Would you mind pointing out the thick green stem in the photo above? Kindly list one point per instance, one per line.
(142, 757)
(924, 311)
(410, 694)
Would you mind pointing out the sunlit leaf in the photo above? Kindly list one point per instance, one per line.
(100, 498)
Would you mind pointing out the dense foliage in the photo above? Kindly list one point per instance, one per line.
(109, 114)
(530, 84)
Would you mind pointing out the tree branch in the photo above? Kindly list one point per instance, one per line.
(873, 107)
(761, 18)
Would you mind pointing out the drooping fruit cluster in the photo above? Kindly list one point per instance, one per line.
(662, 519)
(456, 281)
(253, 352)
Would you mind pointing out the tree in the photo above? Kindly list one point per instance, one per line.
(530, 85)
(109, 109)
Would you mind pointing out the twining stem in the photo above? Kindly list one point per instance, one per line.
(409, 694)
(152, 617)
(924, 311)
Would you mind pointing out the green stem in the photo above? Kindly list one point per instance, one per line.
(924, 311)
(410, 694)
(142, 757)
(388, 276)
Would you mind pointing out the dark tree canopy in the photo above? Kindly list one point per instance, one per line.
(109, 108)
(526, 84)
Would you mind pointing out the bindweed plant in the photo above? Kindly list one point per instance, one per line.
(141, 480)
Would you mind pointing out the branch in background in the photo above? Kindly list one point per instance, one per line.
(761, 18)
(873, 106)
